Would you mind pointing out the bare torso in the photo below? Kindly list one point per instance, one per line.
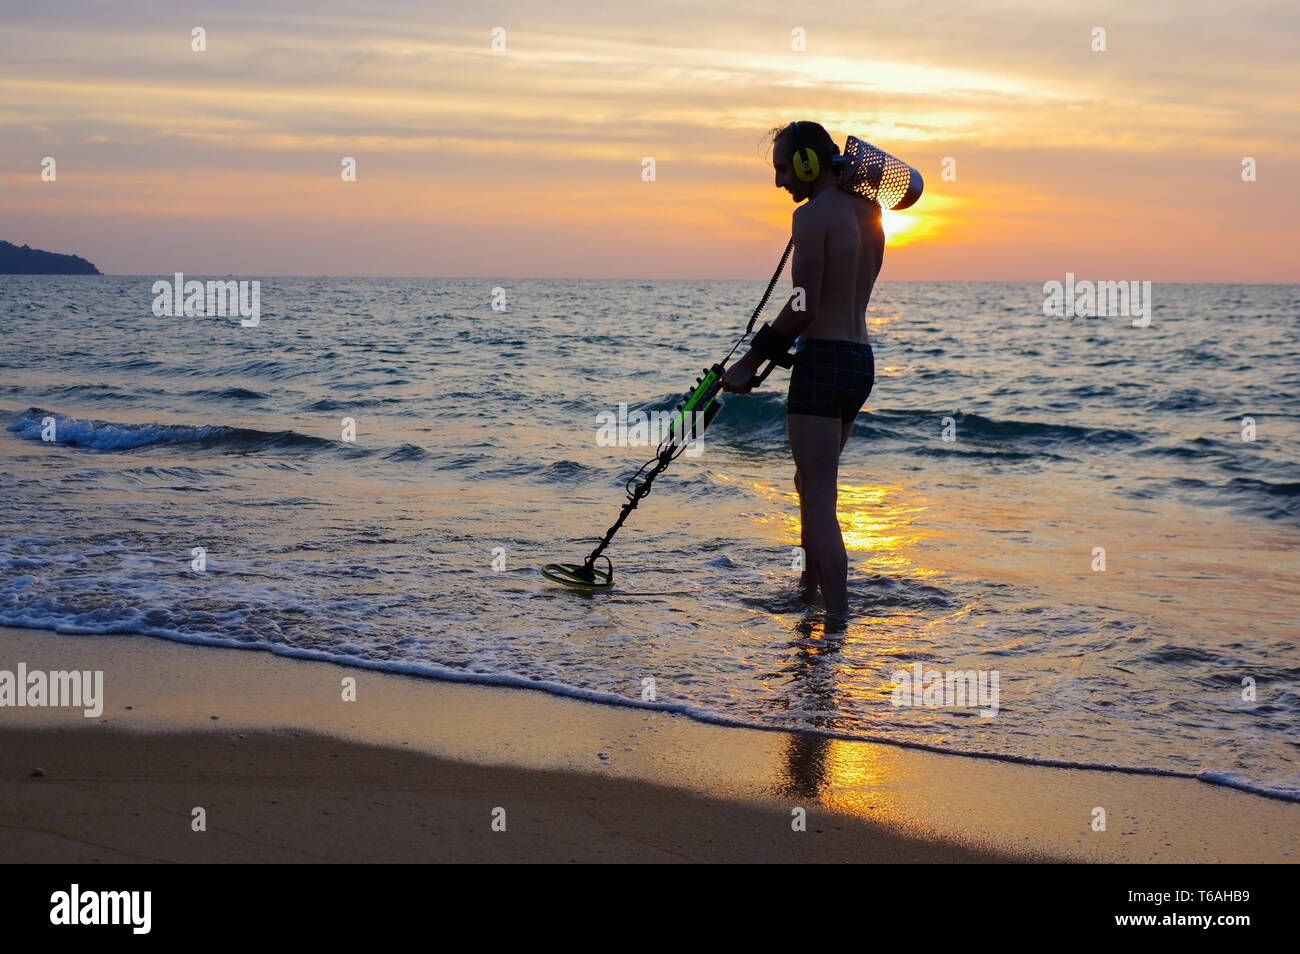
(854, 252)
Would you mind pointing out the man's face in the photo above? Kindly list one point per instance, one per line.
(782, 153)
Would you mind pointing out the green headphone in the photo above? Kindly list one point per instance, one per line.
(806, 164)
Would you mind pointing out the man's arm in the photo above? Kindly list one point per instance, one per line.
(806, 273)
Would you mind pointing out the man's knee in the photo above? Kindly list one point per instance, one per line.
(820, 487)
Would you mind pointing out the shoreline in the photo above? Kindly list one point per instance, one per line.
(248, 734)
(564, 693)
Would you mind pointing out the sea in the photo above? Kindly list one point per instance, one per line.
(1095, 519)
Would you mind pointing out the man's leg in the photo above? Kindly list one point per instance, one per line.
(807, 579)
(815, 443)
(846, 432)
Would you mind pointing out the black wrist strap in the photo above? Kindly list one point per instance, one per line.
(771, 345)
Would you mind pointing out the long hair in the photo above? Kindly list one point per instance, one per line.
(812, 135)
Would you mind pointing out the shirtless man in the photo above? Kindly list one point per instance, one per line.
(839, 248)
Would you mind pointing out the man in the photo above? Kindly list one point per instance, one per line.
(839, 248)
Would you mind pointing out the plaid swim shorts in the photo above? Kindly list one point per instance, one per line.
(830, 378)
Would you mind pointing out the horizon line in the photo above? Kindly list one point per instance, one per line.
(588, 278)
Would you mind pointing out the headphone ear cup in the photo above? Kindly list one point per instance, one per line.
(806, 165)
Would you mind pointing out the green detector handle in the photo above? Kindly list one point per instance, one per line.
(703, 399)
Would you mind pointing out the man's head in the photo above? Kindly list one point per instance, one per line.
(802, 153)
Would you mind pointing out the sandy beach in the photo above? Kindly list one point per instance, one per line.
(413, 771)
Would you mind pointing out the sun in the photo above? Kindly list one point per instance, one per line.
(900, 228)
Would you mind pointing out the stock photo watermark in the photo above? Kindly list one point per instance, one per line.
(1086, 299)
(625, 428)
(212, 299)
(949, 689)
(75, 907)
(55, 688)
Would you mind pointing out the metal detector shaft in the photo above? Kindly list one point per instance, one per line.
(693, 417)
(703, 401)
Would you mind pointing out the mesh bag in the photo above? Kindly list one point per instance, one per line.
(866, 171)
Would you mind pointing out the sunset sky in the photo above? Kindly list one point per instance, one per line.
(1123, 164)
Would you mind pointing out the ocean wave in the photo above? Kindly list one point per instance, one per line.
(565, 472)
(1197, 448)
(111, 436)
(98, 392)
(1272, 500)
(1033, 433)
(330, 404)
(912, 423)
(1186, 399)
(953, 450)
(228, 394)
(407, 452)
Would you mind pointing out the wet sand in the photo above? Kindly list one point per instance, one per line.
(417, 771)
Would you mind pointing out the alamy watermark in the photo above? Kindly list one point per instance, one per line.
(57, 688)
(212, 299)
(75, 906)
(955, 688)
(1070, 299)
(642, 429)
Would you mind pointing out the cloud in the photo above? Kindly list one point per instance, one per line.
(554, 129)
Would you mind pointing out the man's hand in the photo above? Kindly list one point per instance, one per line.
(740, 374)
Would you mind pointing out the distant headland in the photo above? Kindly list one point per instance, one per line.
(25, 260)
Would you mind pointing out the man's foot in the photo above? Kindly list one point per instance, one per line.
(835, 623)
(808, 587)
